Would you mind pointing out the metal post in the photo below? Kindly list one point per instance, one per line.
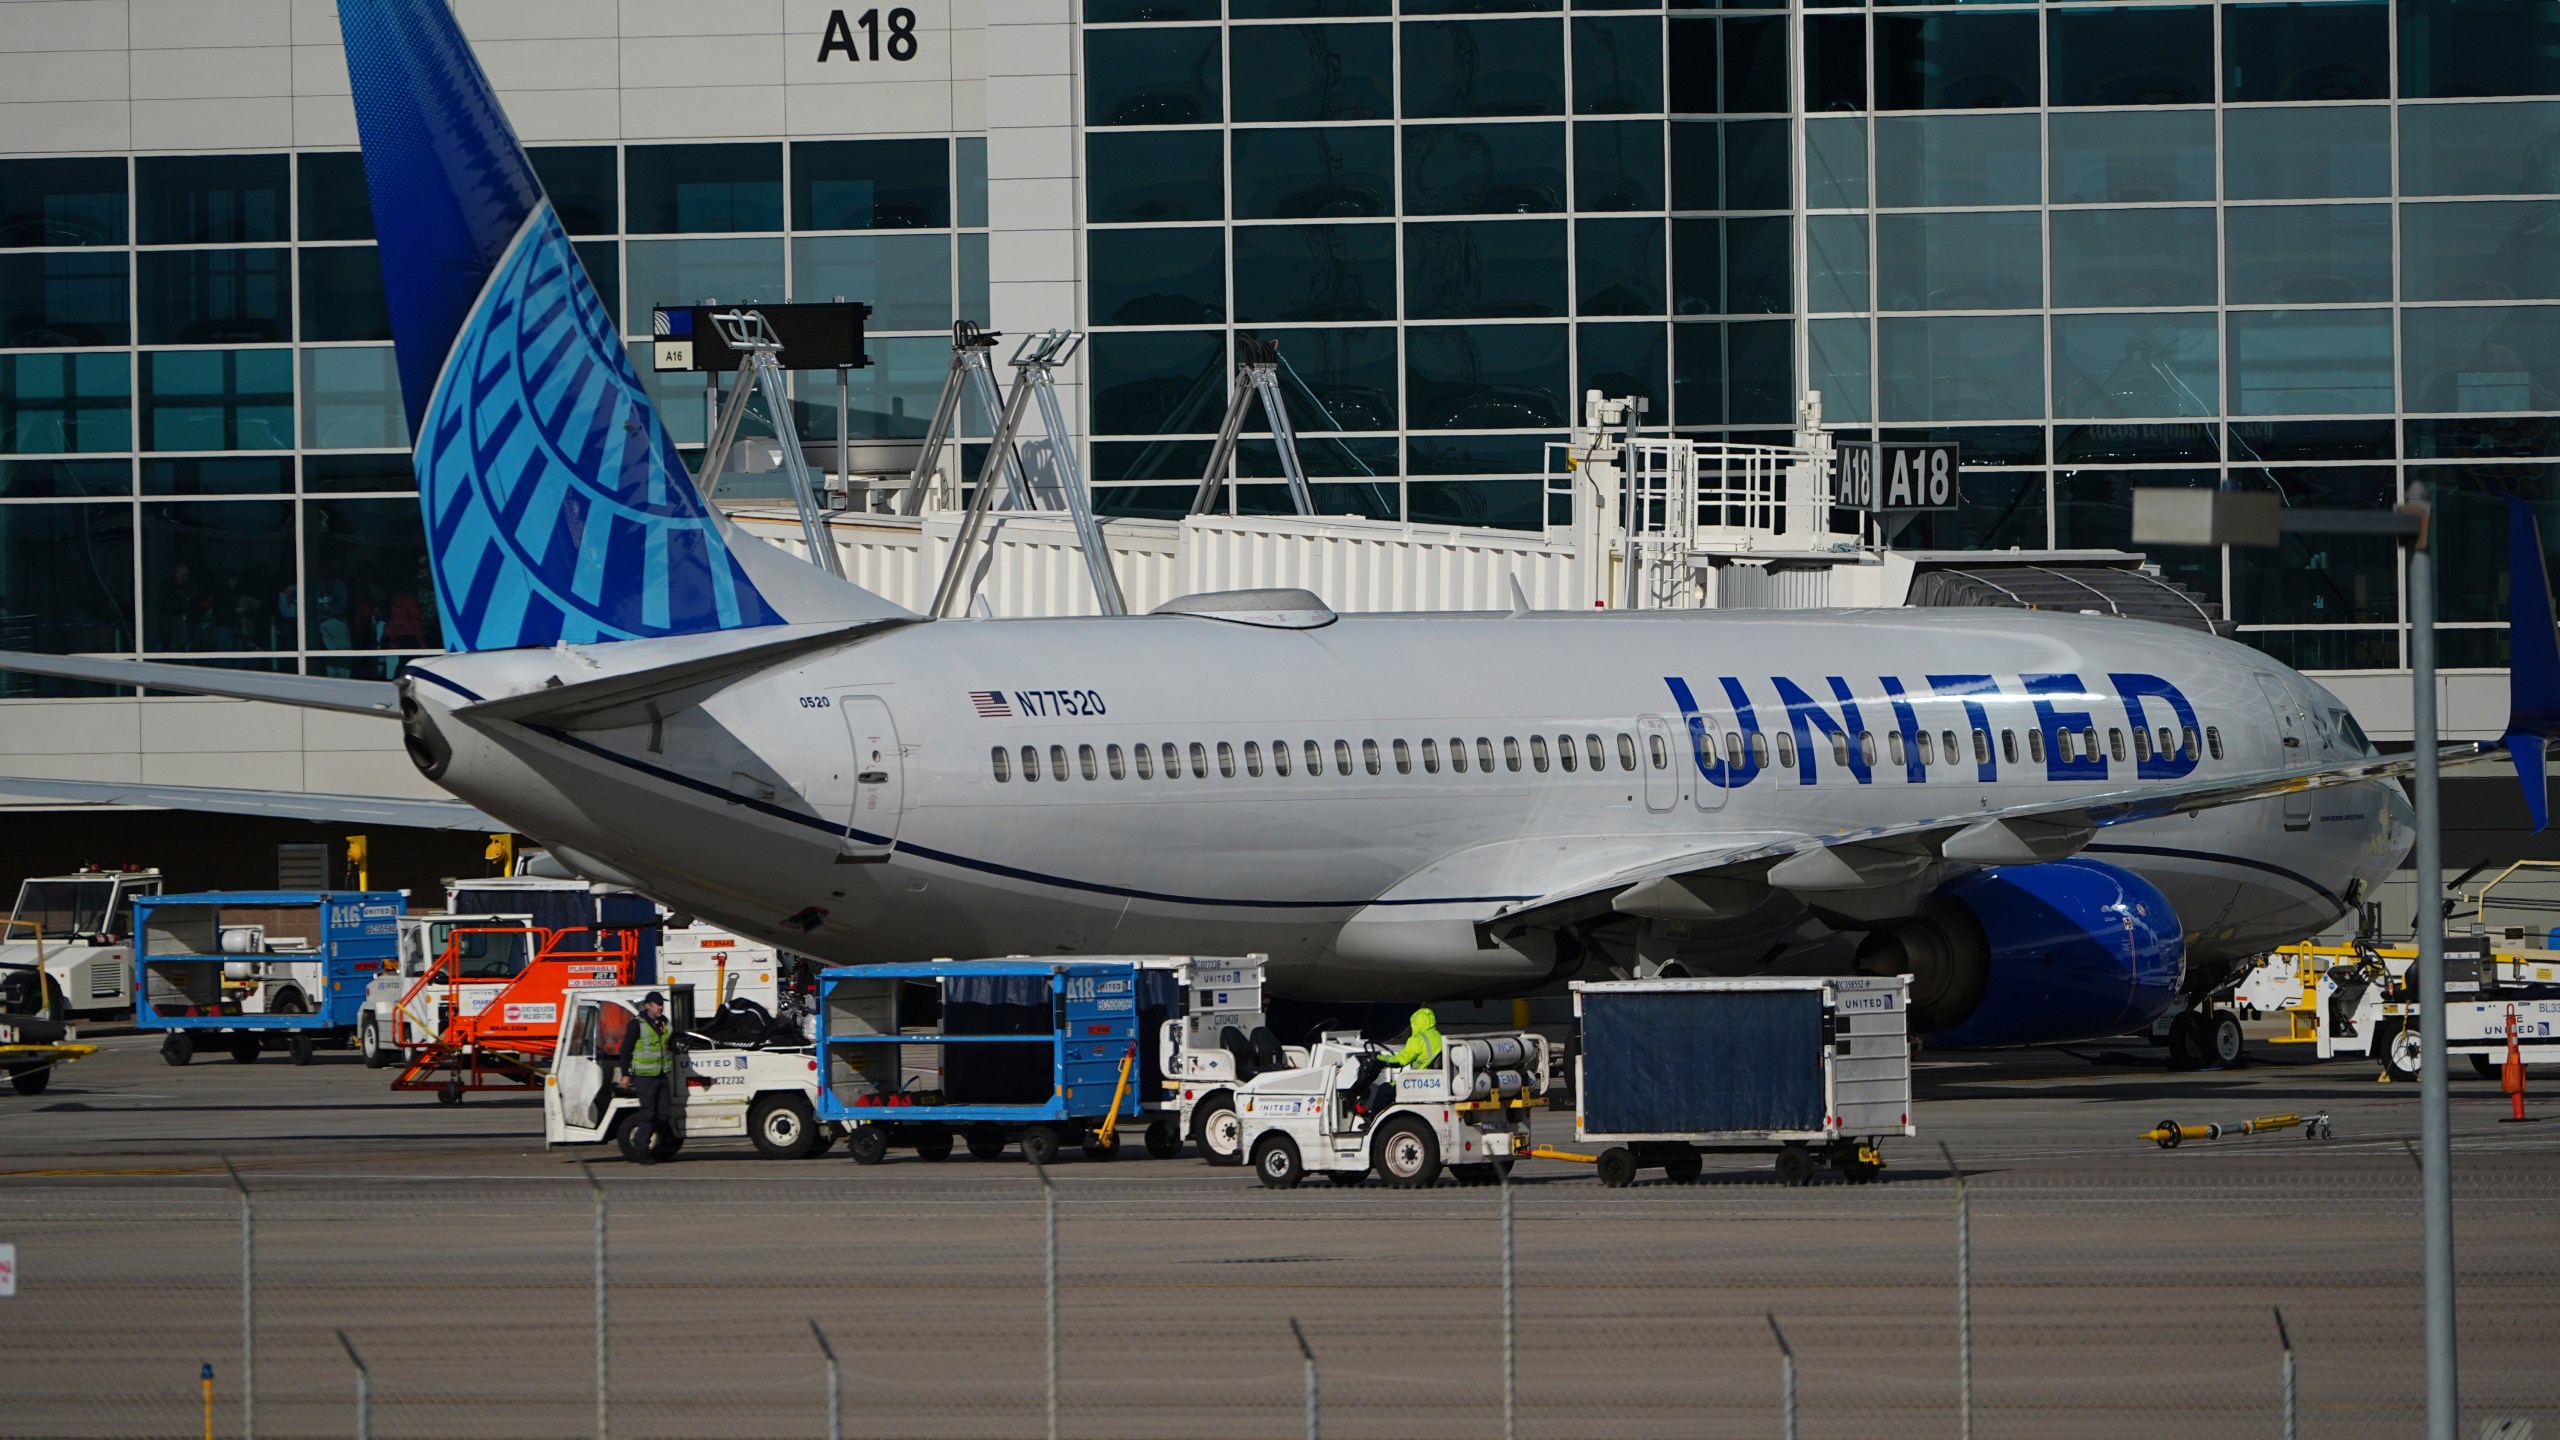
(1049, 1225)
(835, 1385)
(1284, 437)
(844, 431)
(364, 1389)
(248, 1306)
(2285, 1337)
(1315, 1408)
(2435, 1118)
(1786, 1382)
(603, 1374)
(1510, 1351)
(1964, 1299)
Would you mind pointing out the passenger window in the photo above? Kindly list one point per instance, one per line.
(1030, 763)
(1199, 761)
(1593, 752)
(1430, 757)
(1626, 751)
(1759, 748)
(1538, 753)
(2035, 745)
(2062, 746)
(1893, 747)
(1342, 757)
(1404, 759)
(1226, 760)
(1089, 762)
(1840, 748)
(2188, 750)
(1928, 750)
(1458, 754)
(1953, 753)
(2141, 745)
(1057, 762)
(1660, 750)
(1280, 758)
(2115, 744)
(1867, 747)
(1484, 755)
(1369, 751)
(2168, 743)
(1252, 759)
(1982, 748)
(1119, 763)
(1003, 764)
(2213, 740)
(2009, 746)
(1786, 750)
(1172, 761)
(1315, 759)
(1146, 762)
(2089, 743)
(1511, 753)
(1733, 749)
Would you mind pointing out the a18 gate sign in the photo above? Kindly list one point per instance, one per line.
(1903, 477)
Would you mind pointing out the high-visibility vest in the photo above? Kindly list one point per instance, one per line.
(649, 1050)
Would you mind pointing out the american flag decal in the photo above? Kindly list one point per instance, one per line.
(991, 704)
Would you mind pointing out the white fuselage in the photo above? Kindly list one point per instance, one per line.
(851, 806)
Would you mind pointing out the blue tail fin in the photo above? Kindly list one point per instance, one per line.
(557, 506)
(2533, 669)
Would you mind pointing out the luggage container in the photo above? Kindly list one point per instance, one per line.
(259, 968)
(1040, 1053)
(1816, 1069)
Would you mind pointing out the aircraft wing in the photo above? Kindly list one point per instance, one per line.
(1836, 868)
(310, 692)
(279, 804)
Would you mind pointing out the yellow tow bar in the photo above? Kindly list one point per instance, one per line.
(1119, 1092)
(1549, 1152)
(2170, 1134)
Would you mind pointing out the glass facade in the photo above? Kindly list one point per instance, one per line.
(2305, 246)
(203, 452)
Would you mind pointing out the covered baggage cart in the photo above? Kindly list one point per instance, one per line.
(252, 969)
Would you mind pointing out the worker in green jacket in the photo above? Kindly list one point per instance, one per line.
(1374, 1090)
(650, 1063)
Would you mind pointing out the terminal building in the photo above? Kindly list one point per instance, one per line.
(2307, 248)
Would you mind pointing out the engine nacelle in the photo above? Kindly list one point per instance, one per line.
(2032, 954)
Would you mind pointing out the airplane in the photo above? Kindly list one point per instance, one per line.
(2061, 826)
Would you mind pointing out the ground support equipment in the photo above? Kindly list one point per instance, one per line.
(765, 1088)
(1466, 1112)
(246, 971)
(505, 1042)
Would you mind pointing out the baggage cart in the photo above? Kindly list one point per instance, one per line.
(1815, 1069)
(251, 970)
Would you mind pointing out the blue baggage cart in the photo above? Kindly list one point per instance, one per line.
(1039, 1053)
(259, 968)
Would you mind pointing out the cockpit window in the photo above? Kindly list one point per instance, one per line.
(2349, 733)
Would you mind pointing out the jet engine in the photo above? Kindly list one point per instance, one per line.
(2030, 954)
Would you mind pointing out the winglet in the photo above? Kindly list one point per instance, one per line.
(2533, 669)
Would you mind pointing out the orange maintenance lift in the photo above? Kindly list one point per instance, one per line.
(498, 1036)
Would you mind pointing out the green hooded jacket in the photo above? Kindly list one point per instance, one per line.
(1422, 1047)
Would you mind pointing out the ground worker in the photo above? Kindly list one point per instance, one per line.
(1374, 1090)
(650, 1066)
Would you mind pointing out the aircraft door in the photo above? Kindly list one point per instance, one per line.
(2291, 726)
(879, 778)
(1660, 759)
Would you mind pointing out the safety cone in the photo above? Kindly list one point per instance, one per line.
(2511, 1073)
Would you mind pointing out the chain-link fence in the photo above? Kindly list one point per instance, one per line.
(2142, 1302)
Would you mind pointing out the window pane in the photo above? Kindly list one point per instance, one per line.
(2477, 149)
(2310, 362)
(1492, 504)
(583, 187)
(2124, 258)
(1835, 63)
(1487, 377)
(2483, 250)
(1617, 165)
(870, 185)
(1618, 267)
(1839, 366)
(2482, 358)
(1307, 9)
(1483, 67)
(1955, 62)
(2108, 367)
(1755, 64)
(1837, 257)
(973, 304)
(2320, 579)
(209, 199)
(1157, 276)
(906, 279)
(66, 581)
(892, 398)
(2146, 55)
(2308, 153)
(2093, 509)
(2478, 47)
(694, 272)
(1969, 367)
(217, 400)
(1106, 12)
(1697, 165)
(62, 404)
(1760, 372)
(1697, 267)
(368, 587)
(1312, 174)
(1995, 510)
(62, 202)
(1617, 65)
(2132, 156)
(1315, 72)
(1477, 454)
(1469, 271)
(351, 400)
(1958, 160)
(1975, 261)
(1755, 164)
(969, 162)
(64, 299)
(217, 575)
(1836, 160)
(1627, 359)
(209, 297)
(2306, 52)
(332, 198)
(1757, 277)
(704, 189)
(218, 475)
(1337, 379)
(2309, 254)
(602, 260)
(323, 474)
(1159, 384)
(1164, 175)
(64, 479)
(342, 294)
(1315, 272)
(1483, 169)
(1697, 374)
(1151, 77)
